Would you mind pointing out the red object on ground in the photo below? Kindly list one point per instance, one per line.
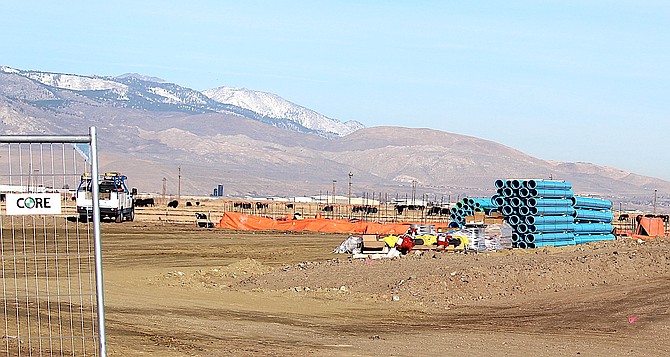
(648, 227)
(406, 244)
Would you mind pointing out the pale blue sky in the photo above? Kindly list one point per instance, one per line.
(559, 80)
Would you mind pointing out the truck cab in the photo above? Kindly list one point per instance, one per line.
(116, 201)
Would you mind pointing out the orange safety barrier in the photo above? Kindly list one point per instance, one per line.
(239, 221)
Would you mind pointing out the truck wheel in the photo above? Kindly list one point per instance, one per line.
(131, 215)
(119, 218)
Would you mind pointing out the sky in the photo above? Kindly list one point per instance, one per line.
(577, 81)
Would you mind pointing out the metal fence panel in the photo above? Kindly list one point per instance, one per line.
(51, 279)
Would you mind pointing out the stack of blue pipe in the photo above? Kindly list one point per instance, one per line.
(593, 219)
(467, 207)
(540, 212)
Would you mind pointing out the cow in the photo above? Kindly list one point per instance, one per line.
(2, 197)
(328, 209)
(261, 205)
(173, 204)
(144, 202)
(243, 205)
(624, 217)
(434, 211)
(364, 209)
(189, 204)
(289, 205)
(438, 211)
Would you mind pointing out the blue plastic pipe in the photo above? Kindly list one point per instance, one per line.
(548, 185)
(524, 211)
(591, 203)
(515, 184)
(546, 193)
(500, 183)
(524, 192)
(593, 216)
(522, 228)
(513, 220)
(551, 211)
(587, 238)
(590, 228)
(529, 238)
(539, 220)
(561, 243)
(546, 202)
(553, 237)
(507, 210)
(550, 228)
(508, 192)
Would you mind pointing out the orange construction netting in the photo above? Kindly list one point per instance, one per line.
(239, 221)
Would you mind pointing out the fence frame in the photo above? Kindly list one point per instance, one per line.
(91, 140)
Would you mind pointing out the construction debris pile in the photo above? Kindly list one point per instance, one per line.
(492, 237)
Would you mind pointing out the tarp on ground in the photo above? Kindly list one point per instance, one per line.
(239, 221)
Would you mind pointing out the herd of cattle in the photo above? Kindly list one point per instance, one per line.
(367, 209)
(150, 202)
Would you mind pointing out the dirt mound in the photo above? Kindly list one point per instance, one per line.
(447, 280)
(218, 277)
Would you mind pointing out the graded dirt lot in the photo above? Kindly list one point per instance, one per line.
(176, 290)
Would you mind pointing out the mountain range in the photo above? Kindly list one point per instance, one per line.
(259, 144)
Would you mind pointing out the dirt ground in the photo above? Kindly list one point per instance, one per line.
(176, 290)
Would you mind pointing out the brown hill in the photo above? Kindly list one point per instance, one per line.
(254, 158)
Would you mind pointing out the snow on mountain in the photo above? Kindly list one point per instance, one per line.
(136, 91)
(68, 81)
(141, 77)
(274, 106)
(8, 69)
(171, 98)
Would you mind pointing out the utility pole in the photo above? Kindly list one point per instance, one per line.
(334, 190)
(655, 201)
(179, 183)
(164, 186)
(350, 176)
(414, 191)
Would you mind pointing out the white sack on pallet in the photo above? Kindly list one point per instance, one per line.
(498, 236)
